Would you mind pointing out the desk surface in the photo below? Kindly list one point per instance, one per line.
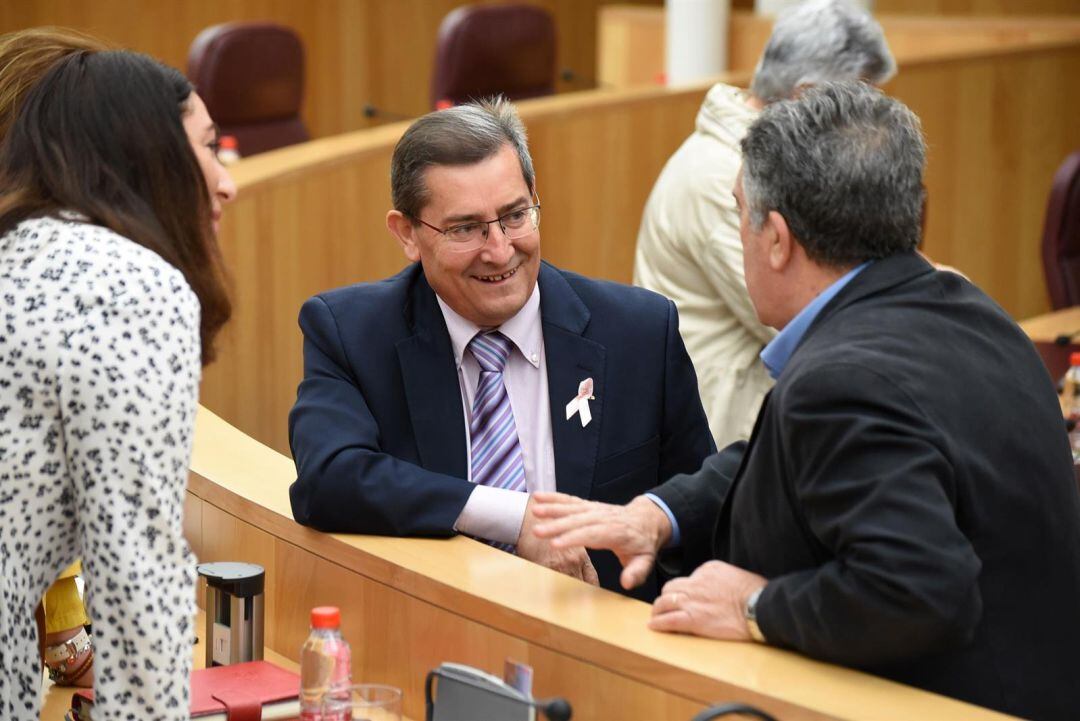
(409, 604)
(1049, 326)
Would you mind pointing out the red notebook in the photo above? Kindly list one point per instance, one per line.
(241, 692)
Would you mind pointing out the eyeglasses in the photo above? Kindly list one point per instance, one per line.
(466, 237)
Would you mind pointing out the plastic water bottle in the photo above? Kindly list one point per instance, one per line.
(228, 149)
(1071, 398)
(325, 664)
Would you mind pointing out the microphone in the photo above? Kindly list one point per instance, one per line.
(732, 708)
(371, 111)
(556, 709)
(569, 75)
(1066, 338)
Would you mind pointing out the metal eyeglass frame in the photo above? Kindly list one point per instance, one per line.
(444, 232)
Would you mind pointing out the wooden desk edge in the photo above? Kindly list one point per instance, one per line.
(1048, 326)
(255, 490)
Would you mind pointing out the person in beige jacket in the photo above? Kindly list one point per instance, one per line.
(688, 246)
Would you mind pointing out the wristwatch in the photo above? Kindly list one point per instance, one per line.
(750, 614)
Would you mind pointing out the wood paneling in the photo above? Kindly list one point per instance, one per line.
(358, 51)
(630, 49)
(962, 7)
(997, 128)
(410, 604)
(631, 43)
(311, 217)
(978, 7)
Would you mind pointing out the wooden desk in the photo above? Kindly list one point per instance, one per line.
(410, 604)
(57, 700)
(1047, 327)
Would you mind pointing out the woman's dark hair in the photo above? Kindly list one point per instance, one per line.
(102, 133)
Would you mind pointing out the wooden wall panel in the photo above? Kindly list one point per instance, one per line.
(298, 235)
(978, 7)
(193, 523)
(358, 51)
(333, 32)
(961, 7)
(997, 130)
(630, 48)
(397, 638)
(594, 172)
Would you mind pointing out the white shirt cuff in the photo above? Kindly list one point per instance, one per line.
(495, 514)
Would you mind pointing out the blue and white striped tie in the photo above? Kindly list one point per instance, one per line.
(496, 450)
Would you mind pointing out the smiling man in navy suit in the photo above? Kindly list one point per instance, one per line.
(437, 401)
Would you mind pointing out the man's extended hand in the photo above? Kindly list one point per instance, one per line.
(710, 602)
(571, 560)
(635, 532)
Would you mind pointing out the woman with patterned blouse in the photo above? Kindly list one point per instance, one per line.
(111, 295)
(25, 57)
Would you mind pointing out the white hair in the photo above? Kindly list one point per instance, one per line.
(820, 41)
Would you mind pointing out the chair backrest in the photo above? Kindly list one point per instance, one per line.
(1061, 235)
(490, 49)
(251, 77)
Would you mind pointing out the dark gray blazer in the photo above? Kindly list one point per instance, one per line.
(909, 492)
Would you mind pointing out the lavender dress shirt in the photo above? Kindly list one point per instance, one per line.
(496, 514)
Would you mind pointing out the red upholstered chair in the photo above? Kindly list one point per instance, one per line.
(1061, 235)
(251, 77)
(485, 50)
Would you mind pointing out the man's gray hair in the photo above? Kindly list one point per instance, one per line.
(819, 41)
(461, 135)
(843, 164)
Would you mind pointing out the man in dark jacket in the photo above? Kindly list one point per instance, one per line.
(906, 504)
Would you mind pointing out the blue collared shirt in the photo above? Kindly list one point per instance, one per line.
(775, 356)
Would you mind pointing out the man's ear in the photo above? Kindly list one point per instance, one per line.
(799, 89)
(403, 229)
(781, 242)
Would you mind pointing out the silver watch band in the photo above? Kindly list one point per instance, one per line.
(750, 613)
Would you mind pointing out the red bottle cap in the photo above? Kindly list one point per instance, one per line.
(444, 104)
(325, 617)
(228, 142)
(1074, 359)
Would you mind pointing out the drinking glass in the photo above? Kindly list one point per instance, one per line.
(363, 702)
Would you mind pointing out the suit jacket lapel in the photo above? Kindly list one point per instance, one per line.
(571, 358)
(432, 390)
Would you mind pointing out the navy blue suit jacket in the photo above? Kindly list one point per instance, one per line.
(378, 433)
